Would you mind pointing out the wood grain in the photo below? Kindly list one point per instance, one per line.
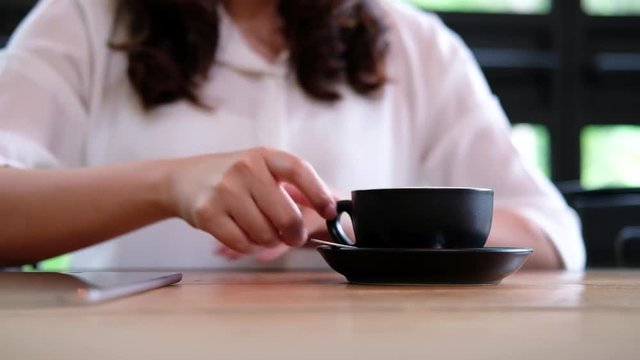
(228, 315)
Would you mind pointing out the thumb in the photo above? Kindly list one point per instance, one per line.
(296, 195)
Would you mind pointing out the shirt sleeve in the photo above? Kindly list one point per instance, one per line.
(45, 88)
(468, 144)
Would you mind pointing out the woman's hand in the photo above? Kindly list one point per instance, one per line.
(240, 197)
(314, 223)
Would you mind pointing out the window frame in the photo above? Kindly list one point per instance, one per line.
(565, 69)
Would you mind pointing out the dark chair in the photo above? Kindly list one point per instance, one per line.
(610, 224)
(627, 247)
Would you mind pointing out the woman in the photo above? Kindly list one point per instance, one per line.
(245, 120)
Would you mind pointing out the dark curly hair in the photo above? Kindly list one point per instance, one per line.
(171, 45)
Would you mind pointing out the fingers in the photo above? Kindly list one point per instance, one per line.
(263, 179)
(262, 255)
(247, 203)
(296, 195)
(268, 255)
(281, 210)
(289, 168)
(229, 233)
(253, 222)
(228, 253)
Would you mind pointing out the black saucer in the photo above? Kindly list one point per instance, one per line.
(487, 265)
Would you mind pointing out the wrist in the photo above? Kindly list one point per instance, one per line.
(160, 175)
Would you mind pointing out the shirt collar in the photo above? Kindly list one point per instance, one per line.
(235, 52)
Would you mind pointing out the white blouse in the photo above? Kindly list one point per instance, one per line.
(65, 101)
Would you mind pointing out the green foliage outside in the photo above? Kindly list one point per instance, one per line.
(492, 6)
(60, 263)
(610, 156)
(593, 7)
(543, 148)
(611, 7)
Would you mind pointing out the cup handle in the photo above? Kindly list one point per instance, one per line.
(334, 227)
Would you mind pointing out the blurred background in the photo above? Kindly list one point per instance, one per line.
(567, 73)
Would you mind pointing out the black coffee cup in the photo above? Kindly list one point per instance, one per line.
(424, 217)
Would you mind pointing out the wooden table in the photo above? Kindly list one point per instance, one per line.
(221, 315)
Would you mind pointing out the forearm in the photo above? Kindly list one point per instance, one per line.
(511, 229)
(45, 213)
